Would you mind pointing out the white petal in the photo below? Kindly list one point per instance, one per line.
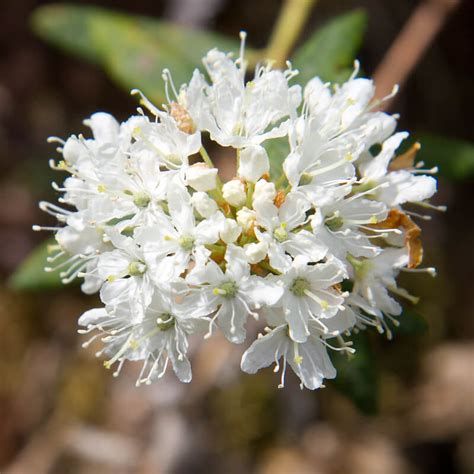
(265, 350)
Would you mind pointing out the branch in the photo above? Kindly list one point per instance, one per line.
(408, 48)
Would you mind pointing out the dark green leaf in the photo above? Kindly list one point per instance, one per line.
(330, 52)
(30, 275)
(357, 376)
(134, 50)
(454, 158)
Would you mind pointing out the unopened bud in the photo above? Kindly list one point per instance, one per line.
(253, 163)
(234, 193)
(256, 252)
(203, 204)
(264, 191)
(201, 178)
(230, 231)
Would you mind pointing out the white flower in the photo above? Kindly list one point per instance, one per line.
(253, 163)
(84, 247)
(157, 338)
(164, 139)
(125, 275)
(279, 225)
(344, 226)
(404, 186)
(169, 245)
(235, 292)
(236, 113)
(172, 251)
(320, 166)
(201, 178)
(309, 360)
(234, 193)
(375, 277)
(310, 296)
(397, 187)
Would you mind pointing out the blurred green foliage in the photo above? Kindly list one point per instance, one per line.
(133, 50)
(410, 322)
(331, 50)
(30, 275)
(357, 375)
(453, 157)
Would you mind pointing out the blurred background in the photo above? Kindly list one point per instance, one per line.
(61, 412)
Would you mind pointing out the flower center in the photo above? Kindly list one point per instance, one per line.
(136, 268)
(305, 179)
(141, 199)
(299, 286)
(186, 242)
(165, 321)
(280, 233)
(334, 222)
(361, 267)
(227, 289)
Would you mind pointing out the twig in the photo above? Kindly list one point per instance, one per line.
(408, 48)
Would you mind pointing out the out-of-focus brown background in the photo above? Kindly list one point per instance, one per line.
(61, 412)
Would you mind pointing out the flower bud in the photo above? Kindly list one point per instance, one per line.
(230, 231)
(203, 204)
(201, 178)
(264, 191)
(246, 218)
(234, 193)
(253, 163)
(256, 252)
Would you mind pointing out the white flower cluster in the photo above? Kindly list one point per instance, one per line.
(173, 252)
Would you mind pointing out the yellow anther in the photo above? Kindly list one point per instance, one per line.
(298, 359)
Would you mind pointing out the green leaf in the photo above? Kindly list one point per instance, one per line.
(134, 50)
(454, 158)
(68, 27)
(330, 52)
(30, 275)
(277, 150)
(356, 375)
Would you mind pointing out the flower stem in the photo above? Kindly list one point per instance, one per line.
(287, 29)
(206, 158)
(280, 181)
